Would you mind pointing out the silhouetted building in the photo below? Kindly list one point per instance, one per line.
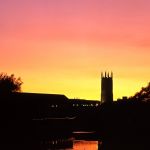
(82, 103)
(38, 105)
(106, 87)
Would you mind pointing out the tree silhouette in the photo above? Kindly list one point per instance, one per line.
(143, 94)
(9, 84)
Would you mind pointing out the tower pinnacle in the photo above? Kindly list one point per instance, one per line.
(107, 87)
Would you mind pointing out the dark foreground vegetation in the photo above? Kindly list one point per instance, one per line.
(26, 119)
(125, 125)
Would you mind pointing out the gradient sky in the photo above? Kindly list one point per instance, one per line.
(62, 46)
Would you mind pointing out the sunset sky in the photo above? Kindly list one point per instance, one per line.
(62, 46)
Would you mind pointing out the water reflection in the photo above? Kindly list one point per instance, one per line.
(85, 145)
(69, 144)
(57, 144)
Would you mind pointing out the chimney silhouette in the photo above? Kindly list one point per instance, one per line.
(106, 87)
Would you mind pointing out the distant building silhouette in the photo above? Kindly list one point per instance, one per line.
(106, 87)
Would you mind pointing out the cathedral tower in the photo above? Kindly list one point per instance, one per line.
(106, 87)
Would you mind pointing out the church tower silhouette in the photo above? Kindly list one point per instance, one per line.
(106, 87)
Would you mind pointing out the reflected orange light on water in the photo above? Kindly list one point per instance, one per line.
(85, 145)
